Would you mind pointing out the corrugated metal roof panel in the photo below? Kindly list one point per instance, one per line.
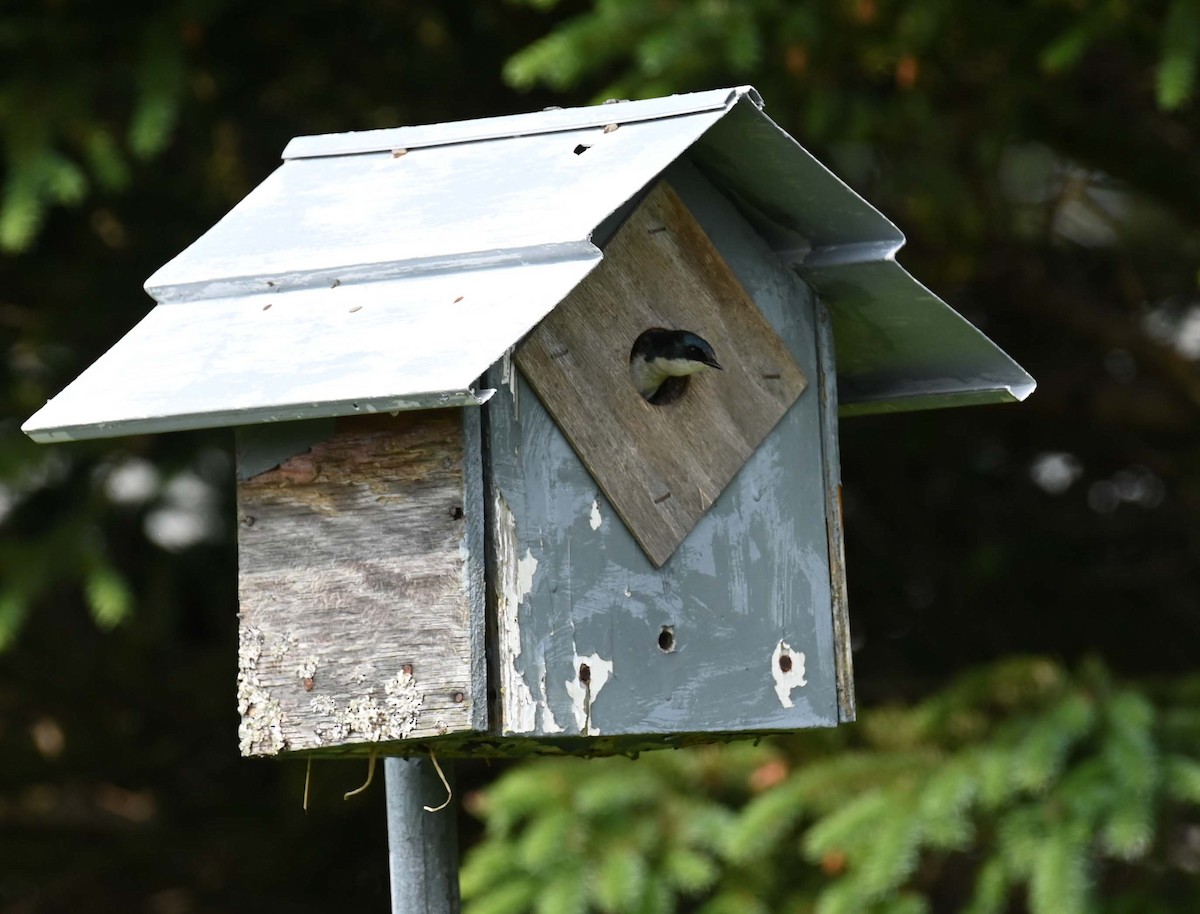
(411, 343)
(759, 164)
(899, 346)
(453, 206)
(257, 324)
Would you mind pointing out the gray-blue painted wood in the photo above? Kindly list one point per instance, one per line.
(749, 584)
(422, 846)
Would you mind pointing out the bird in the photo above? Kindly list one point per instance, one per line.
(661, 361)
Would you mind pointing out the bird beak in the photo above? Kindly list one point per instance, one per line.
(713, 363)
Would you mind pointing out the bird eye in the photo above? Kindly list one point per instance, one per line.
(695, 353)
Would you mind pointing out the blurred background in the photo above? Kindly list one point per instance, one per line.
(1024, 580)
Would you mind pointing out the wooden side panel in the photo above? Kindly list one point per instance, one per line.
(662, 467)
(827, 387)
(360, 601)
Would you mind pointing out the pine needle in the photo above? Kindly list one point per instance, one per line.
(370, 778)
(445, 783)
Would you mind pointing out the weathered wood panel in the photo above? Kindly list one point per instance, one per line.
(827, 388)
(361, 619)
(694, 649)
(661, 467)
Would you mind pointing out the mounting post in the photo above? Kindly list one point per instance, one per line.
(422, 846)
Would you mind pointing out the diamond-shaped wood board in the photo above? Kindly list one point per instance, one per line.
(661, 467)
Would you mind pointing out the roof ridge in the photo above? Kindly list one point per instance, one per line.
(548, 120)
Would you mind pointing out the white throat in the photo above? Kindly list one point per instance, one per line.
(649, 375)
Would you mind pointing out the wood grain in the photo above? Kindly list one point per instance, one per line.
(660, 466)
(827, 387)
(357, 622)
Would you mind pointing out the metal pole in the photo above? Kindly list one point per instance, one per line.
(422, 846)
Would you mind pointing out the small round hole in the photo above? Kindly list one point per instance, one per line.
(785, 662)
(666, 639)
(585, 673)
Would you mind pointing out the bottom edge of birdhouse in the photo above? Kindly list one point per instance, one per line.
(477, 746)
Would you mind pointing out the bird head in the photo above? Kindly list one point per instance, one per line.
(685, 352)
(659, 354)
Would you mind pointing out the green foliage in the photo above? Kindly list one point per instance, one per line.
(108, 596)
(665, 43)
(1181, 47)
(1020, 779)
(683, 40)
(939, 86)
(61, 116)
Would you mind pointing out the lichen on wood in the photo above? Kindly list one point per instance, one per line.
(355, 604)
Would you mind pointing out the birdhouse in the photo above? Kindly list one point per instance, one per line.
(464, 518)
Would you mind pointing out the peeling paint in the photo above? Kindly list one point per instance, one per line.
(583, 693)
(596, 520)
(514, 580)
(261, 729)
(525, 569)
(787, 669)
(369, 719)
(508, 377)
(549, 724)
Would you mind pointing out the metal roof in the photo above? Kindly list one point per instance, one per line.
(387, 269)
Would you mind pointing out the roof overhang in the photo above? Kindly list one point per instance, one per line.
(388, 269)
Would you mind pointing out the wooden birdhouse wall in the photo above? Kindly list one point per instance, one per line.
(360, 585)
(736, 631)
(459, 575)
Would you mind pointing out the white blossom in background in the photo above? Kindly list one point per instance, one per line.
(132, 481)
(1135, 485)
(1055, 471)
(1179, 329)
(188, 514)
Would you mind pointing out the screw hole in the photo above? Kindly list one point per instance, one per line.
(785, 662)
(666, 639)
(456, 512)
(585, 673)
